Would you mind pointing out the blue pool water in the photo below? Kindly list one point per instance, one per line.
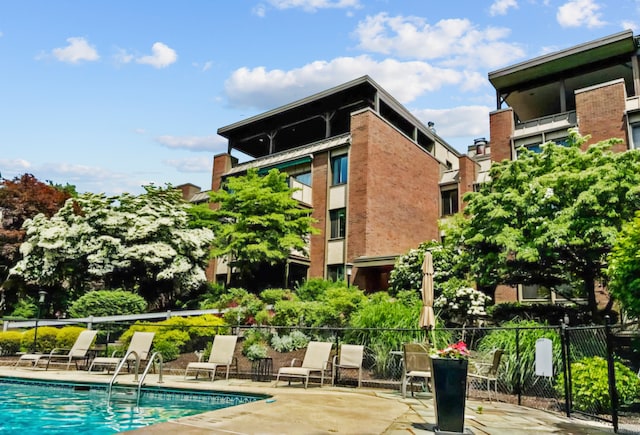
(31, 407)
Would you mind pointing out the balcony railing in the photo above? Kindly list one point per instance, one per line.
(304, 194)
(557, 121)
(633, 103)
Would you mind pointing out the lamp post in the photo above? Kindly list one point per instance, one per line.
(349, 268)
(41, 298)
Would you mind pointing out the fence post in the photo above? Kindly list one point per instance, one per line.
(566, 367)
(518, 385)
(613, 391)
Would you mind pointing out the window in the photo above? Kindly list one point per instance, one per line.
(335, 272)
(449, 199)
(635, 136)
(339, 169)
(338, 219)
(534, 292)
(304, 178)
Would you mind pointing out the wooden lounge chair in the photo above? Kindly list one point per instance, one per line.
(140, 346)
(417, 364)
(222, 351)
(316, 359)
(78, 351)
(350, 357)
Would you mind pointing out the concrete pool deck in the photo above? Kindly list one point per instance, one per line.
(330, 410)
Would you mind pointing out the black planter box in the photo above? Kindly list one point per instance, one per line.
(449, 387)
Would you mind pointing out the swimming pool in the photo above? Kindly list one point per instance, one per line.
(37, 407)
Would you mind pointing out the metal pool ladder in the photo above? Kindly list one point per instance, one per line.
(129, 392)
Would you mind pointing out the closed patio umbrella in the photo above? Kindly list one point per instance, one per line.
(427, 316)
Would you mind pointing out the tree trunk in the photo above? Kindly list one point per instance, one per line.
(590, 291)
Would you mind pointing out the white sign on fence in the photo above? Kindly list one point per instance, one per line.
(544, 357)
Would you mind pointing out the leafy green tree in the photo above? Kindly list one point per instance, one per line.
(138, 243)
(256, 222)
(624, 267)
(549, 218)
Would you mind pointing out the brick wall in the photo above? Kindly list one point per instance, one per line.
(601, 113)
(393, 191)
(501, 127)
(468, 173)
(319, 183)
(506, 293)
(222, 163)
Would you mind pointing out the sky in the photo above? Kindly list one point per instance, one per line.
(111, 95)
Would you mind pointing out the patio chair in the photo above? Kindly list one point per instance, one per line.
(350, 357)
(78, 351)
(222, 351)
(316, 359)
(417, 364)
(139, 348)
(486, 372)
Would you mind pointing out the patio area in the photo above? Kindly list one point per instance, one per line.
(331, 410)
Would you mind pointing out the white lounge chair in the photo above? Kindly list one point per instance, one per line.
(222, 351)
(316, 359)
(350, 357)
(78, 351)
(140, 346)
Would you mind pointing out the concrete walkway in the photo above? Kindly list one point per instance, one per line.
(333, 410)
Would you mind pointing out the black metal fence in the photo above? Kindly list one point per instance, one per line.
(549, 377)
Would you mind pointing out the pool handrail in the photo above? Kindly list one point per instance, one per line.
(146, 370)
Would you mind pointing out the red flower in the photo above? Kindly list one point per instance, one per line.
(458, 351)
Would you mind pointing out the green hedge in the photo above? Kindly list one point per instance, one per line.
(178, 334)
(10, 342)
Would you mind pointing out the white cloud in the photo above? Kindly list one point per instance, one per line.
(122, 56)
(194, 164)
(10, 168)
(259, 10)
(264, 89)
(77, 51)
(451, 41)
(162, 56)
(203, 67)
(578, 13)
(627, 24)
(501, 7)
(462, 121)
(194, 143)
(314, 5)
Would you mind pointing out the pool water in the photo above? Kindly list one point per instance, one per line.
(31, 407)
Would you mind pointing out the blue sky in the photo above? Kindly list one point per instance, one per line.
(112, 95)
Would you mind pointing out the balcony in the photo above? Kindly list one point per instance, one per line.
(304, 192)
(632, 104)
(558, 121)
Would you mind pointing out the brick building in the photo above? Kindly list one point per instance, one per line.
(378, 179)
(594, 87)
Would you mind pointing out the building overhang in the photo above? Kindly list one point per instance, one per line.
(375, 261)
(292, 157)
(557, 63)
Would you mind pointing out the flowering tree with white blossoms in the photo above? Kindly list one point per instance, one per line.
(463, 306)
(140, 243)
(407, 270)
